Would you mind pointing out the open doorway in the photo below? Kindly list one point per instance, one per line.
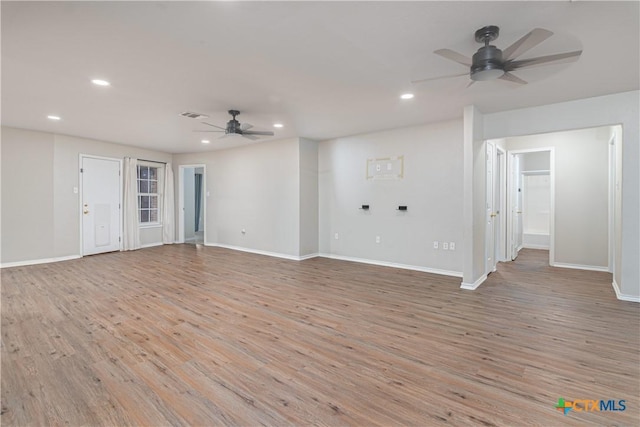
(563, 196)
(531, 214)
(192, 204)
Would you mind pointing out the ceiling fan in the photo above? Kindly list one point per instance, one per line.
(234, 127)
(490, 63)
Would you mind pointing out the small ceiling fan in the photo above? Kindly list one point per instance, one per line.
(490, 63)
(234, 127)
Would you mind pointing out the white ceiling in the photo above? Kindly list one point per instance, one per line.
(323, 69)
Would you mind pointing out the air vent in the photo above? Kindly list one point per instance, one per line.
(193, 115)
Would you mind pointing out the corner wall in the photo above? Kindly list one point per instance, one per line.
(40, 211)
(431, 188)
(256, 188)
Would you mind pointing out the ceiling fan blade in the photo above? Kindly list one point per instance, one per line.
(543, 60)
(251, 137)
(245, 126)
(454, 56)
(209, 124)
(438, 78)
(258, 132)
(526, 42)
(512, 78)
(209, 131)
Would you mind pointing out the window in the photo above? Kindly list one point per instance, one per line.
(148, 195)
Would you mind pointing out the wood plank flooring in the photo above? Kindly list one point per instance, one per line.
(186, 335)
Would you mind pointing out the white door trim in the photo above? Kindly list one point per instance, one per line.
(501, 155)
(181, 169)
(82, 156)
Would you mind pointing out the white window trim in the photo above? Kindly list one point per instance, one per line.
(160, 179)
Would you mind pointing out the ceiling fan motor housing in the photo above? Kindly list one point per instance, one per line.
(487, 63)
(233, 126)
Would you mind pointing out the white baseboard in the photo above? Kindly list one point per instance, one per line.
(38, 261)
(532, 246)
(473, 286)
(260, 252)
(580, 267)
(394, 265)
(151, 245)
(624, 297)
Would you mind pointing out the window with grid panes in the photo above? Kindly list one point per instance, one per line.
(148, 196)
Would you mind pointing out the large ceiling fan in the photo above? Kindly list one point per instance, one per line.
(234, 127)
(490, 63)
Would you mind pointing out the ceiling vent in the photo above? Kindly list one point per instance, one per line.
(193, 115)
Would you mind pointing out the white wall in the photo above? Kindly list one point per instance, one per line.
(52, 230)
(474, 191)
(256, 188)
(309, 197)
(28, 231)
(622, 108)
(431, 188)
(535, 161)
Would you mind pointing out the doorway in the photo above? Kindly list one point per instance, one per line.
(563, 195)
(100, 212)
(192, 198)
(531, 200)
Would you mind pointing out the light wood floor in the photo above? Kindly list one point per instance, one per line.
(186, 335)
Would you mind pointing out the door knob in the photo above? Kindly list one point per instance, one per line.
(493, 214)
(86, 211)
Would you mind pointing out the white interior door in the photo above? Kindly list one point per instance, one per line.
(100, 205)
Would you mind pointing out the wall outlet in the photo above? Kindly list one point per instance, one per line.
(377, 239)
(452, 246)
(445, 246)
(243, 231)
(336, 236)
(436, 245)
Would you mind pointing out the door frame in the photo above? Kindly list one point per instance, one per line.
(181, 169)
(501, 249)
(490, 251)
(499, 202)
(552, 194)
(81, 157)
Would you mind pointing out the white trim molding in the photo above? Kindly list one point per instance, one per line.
(394, 265)
(473, 286)
(260, 252)
(621, 296)
(580, 267)
(151, 245)
(38, 261)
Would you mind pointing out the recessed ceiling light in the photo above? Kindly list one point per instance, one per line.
(53, 117)
(278, 125)
(205, 141)
(406, 96)
(100, 82)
